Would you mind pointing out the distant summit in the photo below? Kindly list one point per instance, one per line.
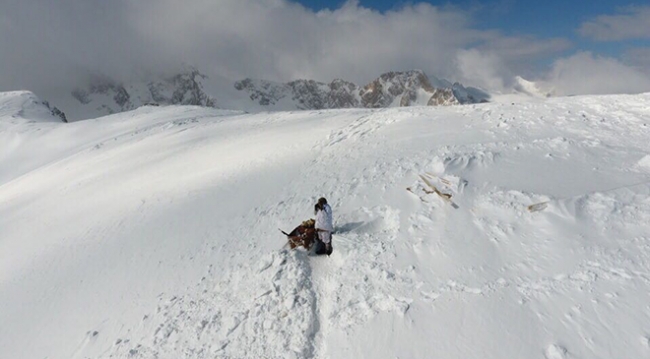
(392, 89)
(25, 105)
(301, 94)
(105, 96)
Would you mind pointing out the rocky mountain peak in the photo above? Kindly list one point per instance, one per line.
(383, 91)
(187, 90)
(305, 94)
(106, 96)
(263, 92)
(391, 89)
(103, 96)
(343, 94)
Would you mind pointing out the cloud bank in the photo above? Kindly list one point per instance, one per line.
(631, 22)
(586, 73)
(51, 45)
(45, 44)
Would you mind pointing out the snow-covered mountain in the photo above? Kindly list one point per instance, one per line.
(104, 96)
(301, 94)
(154, 233)
(26, 106)
(400, 89)
(392, 89)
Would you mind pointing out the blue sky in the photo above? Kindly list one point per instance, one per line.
(541, 18)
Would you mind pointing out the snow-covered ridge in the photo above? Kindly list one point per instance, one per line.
(392, 89)
(25, 105)
(153, 233)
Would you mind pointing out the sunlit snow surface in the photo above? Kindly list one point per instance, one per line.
(154, 233)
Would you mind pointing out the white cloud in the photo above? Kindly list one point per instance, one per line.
(585, 73)
(638, 57)
(284, 41)
(46, 44)
(485, 70)
(631, 23)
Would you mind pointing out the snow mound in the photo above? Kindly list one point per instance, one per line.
(644, 163)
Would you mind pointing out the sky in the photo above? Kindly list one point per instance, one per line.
(549, 18)
(567, 47)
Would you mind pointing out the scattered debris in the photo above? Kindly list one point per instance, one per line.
(431, 188)
(445, 196)
(537, 207)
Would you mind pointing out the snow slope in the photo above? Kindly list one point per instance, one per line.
(153, 233)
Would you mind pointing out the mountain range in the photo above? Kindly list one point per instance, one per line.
(102, 95)
(392, 89)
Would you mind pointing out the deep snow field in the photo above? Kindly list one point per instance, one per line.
(154, 233)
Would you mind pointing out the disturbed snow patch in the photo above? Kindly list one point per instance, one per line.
(455, 163)
(268, 312)
(370, 285)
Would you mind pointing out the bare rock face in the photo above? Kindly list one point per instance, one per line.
(56, 112)
(263, 92)
(106, 96)
(115, 96)
(187, 90)
(343, 94)
(315, 95)
(392, 89)
(304, 94)
(390, 86)
(308, 94)
(443, 97)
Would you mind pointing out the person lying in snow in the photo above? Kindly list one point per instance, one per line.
(324, 227)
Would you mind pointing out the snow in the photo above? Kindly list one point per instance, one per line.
(24, 106)
(154, 233)
(644, 163)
